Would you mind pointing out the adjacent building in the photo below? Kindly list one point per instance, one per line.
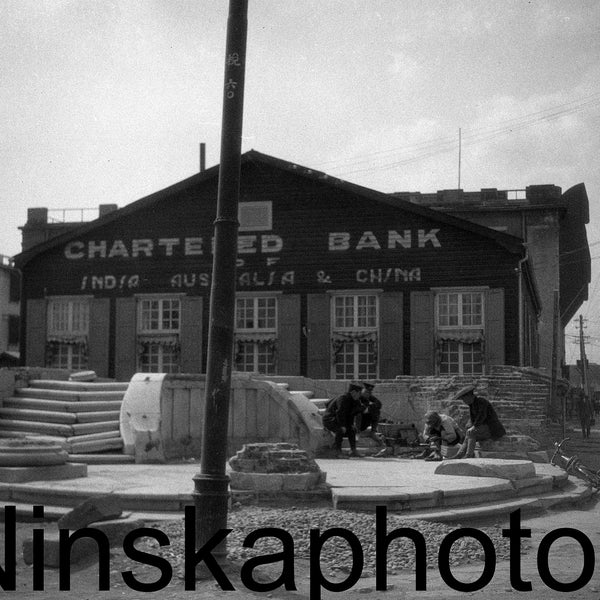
(552, 225)
(333, 281)
(9, 312)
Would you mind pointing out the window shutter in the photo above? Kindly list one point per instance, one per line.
(98, 337)
(422, 350)
(288, 335)
(494, 328)
(319, 337)
(390, 331)
(125, 345)
(35, 333)
(191, 334)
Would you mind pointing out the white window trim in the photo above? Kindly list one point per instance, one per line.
(50, 332)
(338, 293)
(376, 330)
(157, 332)
(461, 372)
(255, 295)
(460, 290)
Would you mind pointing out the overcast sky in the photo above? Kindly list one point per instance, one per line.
(107, 101)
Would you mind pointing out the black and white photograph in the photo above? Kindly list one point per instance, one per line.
(299, 300)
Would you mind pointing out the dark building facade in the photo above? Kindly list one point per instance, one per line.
(333, 281)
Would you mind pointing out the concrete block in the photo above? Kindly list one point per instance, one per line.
(84, 547)
(301, 481)
(540, 456)
(47, 473)
(487, 467)
(97, 508)
(260, 482)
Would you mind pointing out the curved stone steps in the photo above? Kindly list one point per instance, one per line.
(58, 428)
(72, 396)
(68, 418)
(62, 405)
(82, 386)
(82, 416)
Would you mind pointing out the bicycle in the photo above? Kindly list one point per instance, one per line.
(573, 465)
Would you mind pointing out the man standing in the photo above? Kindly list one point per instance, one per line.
(371, 411)
(339, 418)
(484, 422)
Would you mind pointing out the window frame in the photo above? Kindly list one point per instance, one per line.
(255, 298)
(356, 328)
(156, 353)
(160, 330)
(69, 301)
(461, 292)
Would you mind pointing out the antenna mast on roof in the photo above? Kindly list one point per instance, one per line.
(459, 153)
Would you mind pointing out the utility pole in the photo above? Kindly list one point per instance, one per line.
(554, 372)
(459, 154)
(584, 374)
(211, 493)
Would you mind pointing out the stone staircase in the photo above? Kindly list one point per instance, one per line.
(82, 416)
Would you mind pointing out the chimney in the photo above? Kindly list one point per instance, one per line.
(37, 215)
(202, 157)
(104, 209)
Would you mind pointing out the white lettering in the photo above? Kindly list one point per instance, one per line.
(395, 239)
(74, 250)
(246, 244)
(339, 241)
(118, 249)
(99, 248)
(169, 244)
(271, 243)
(193, 246)
(142, 247)
(368, 240)
(428, 237)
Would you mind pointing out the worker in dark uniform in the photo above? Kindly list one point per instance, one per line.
(371, 411)
(484, 422)
(340, 415)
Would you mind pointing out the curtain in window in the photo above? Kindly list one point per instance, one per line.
(339, 339)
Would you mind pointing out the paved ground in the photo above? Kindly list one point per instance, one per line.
(566, 556)
(172, 483)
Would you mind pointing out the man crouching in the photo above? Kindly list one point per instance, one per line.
(439, 429)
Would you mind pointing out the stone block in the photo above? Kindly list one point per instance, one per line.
(301, 481)
(487, 467)
(260, 482)
(53, 472)
(83, 548)
(97, 508)
(541, 456)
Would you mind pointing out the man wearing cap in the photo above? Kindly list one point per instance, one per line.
(339, 417)
(484, 422)
(371, 411)
(439, 429)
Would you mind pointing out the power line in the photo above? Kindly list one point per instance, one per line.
(428, 149)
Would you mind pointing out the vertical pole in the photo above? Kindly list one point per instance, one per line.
(554, 374)
(202, 157)
(211, 484)
(582, 355)
(459, 154)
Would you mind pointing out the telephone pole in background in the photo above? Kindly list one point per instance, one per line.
(211, 493)
(583, 359)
